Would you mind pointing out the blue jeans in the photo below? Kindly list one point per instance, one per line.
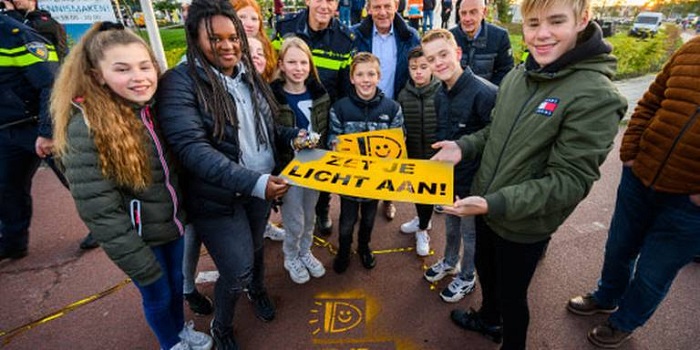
(652, 236)
(344, 15)
(427, 17)
(191, 258)
(162, 300)
(460, 233)
(235, 243)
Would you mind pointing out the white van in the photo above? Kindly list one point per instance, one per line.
(646, 23)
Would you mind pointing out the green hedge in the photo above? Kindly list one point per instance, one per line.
(635, 56)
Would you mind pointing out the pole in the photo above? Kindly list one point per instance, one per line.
(153, 33)
(119, 12)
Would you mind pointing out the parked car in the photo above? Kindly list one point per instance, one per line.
(646, 24)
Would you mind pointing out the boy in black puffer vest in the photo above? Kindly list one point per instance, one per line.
(365, 109)
(417, 101)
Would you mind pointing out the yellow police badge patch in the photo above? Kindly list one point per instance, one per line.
(38, 49)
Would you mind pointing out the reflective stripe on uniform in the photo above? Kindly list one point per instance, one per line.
(322, 59)
(21, 57)
(331, 60)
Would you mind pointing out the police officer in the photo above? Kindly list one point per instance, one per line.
(28, 64)
(27, 12)
(331, 45)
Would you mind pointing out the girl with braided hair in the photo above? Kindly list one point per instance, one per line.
(217, 115)
(121, 173)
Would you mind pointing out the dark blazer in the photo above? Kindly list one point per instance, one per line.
(489, 55)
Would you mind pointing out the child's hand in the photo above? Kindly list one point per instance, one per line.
(469, 206)
(306, 140)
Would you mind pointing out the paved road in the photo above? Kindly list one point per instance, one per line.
(390, 307)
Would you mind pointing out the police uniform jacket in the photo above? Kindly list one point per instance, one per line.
(331, 48)
(27, 68)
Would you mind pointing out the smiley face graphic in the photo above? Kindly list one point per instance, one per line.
(383, 147)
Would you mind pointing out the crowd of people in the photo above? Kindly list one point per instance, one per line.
(208, 138)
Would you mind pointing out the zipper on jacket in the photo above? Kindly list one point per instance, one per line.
(690, 122)
(512, 127)
(148, 122)
(422, 125)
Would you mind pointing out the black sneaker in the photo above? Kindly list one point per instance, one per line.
(324, 225)
(341, 263)
(223, 339)
(12, 254)
(367, 258)
(89, 242)
(263, 305)
(471, 320)
(199, 304)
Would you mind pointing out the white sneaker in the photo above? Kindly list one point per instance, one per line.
(457, 289)
(312, 264)
(195, 340)
(412, 226)
(297, 270)
(274, 232)
(439, 270)
(422, 243)
(182, 345)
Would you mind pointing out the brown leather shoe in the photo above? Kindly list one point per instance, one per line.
(585, 305)
(607, 336)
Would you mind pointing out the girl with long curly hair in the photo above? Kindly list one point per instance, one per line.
(217, 115)
(120, 173)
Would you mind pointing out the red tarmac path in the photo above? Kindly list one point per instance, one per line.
(390, 307)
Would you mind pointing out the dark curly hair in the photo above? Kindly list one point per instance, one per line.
(212, 92)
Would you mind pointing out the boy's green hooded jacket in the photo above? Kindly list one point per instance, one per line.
(551, 129)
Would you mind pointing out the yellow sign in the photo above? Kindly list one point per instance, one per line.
(387, 143)
(406, 180)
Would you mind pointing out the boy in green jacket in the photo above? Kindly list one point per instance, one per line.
(553, 125)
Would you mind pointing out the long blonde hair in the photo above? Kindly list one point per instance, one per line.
(298, 43)
(119, 136)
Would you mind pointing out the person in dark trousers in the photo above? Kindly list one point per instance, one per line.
(446, 12)
(216, 113)
(553, 125)
(331, 44)
(28, 64)
(486, 48)
(428, 15)
(356, 11)
(417, 100)
(367, 109)
(26, 11)
(655, 229)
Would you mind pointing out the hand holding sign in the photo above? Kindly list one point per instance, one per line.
(276, 187)
(449, 152)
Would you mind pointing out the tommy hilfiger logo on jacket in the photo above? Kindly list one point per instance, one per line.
(547, 106)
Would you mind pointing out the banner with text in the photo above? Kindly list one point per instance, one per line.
(387, 143)
(78, 15)
(406, 180)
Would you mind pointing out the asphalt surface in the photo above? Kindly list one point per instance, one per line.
(61, 298)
